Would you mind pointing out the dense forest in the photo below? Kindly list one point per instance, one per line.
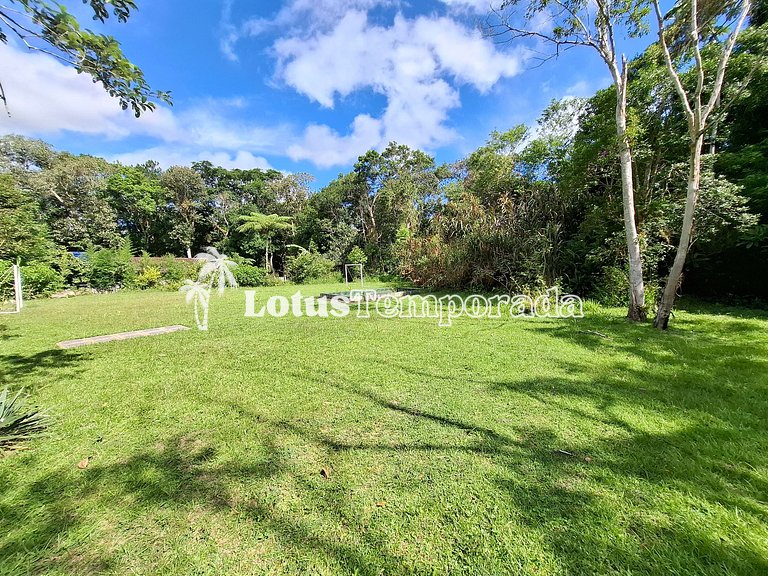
(533, 207)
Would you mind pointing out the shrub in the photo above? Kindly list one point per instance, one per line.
(174, 272)
(248, 275)
(272, 280)
(613, 289)
(109, 269)
(6, 285)
(39, 279)
(148, 278)
(357, 256)
(306, 266)
(72, 269)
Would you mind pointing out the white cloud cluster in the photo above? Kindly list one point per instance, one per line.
(417, 64)
(182, 156)
(46, 98)
(295, 17)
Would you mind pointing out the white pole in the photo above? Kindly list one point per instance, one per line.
(17, 287)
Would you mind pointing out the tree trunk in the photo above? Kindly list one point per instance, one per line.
(637, 311)
(266, 257)
(189, 252)
(686, 236)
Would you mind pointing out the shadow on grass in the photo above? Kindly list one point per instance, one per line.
(183, 473)
(33, 370)
(671, 479)
(6, 334)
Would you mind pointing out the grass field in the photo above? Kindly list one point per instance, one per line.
(491, 447)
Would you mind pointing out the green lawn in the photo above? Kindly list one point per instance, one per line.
(491, 447)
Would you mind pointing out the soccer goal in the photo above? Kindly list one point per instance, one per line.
(352, 272)
(11, 300)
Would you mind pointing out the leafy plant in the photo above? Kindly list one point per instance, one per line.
(308, 265)
(248, 275)
(110, 268)
(18, 422)
(357, 256)
(149, 277)
(39, 279)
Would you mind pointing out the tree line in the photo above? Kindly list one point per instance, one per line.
(530, 208)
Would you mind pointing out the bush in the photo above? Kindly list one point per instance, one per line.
(6, 286)
(39, 279)
(110, 269)
(148, 278)
(72, 269)
(613, 289)
(272, 280)
(308, 266)
(249, 276)
(356, 256)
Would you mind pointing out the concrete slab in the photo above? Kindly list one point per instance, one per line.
(119, 336)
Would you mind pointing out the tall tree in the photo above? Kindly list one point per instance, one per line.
(592, 24)
(137, 197)
(22, 234)
(386, 193)
(51, 29)
(73, 195)
(694, 29)
(186, 195)
(266, 226)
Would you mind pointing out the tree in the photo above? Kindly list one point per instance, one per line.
(232, 193)
(73, 195)
(695, 29)
(266, 226)
(137, 197)
(187, 194)
(328, 219)
(22, 234)
(386, 193)
(290, 191)
(51, 29)
(593, 25)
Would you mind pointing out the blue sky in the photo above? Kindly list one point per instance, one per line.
(302, 85)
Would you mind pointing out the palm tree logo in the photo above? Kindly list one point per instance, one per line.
(200, 294)
(216, 271)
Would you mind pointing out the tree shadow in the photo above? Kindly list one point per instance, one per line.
(6, 334)
(32, 370)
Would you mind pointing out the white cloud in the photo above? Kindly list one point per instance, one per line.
(46, 98)
(479, 6)
(168, 156)
(325, 147)
(295, 17)
(416, 64)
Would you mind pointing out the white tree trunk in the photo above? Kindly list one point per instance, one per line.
(637, 309)
(686, 236)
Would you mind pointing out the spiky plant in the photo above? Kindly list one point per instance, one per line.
(18, 421)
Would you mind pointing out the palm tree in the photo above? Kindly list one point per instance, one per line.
(216, 269)
(266, 226)
(199, 293)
